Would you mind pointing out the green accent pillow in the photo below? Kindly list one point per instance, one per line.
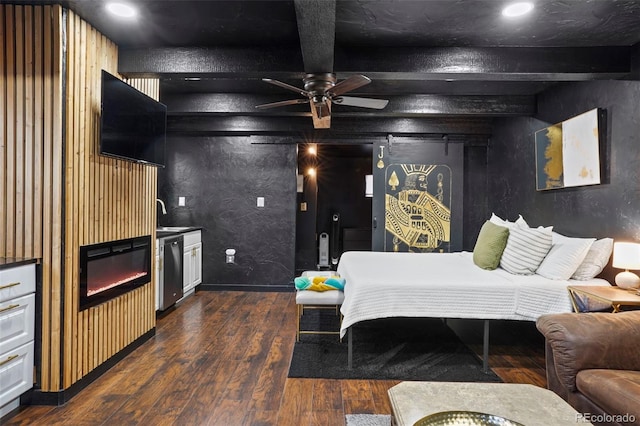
(490, 244)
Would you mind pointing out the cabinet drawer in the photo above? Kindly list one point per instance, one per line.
(17, 318)
(16, 372)
(191, 238)
(17, 281)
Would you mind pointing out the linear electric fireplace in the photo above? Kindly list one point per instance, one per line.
(110, 269)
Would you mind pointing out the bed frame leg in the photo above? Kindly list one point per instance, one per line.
(350, 348)
(485, 348)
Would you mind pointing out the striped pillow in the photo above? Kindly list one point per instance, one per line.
(526, 249)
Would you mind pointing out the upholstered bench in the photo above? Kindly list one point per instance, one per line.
(307, 299)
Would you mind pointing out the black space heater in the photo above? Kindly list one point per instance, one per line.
(334, 241)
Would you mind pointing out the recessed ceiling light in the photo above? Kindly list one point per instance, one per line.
(517, 9)
(121, 9)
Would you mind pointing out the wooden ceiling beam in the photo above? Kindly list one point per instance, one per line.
(399, 106)
(255, 125)
(219, 62)
(481, 64)
(487, 63)
(317, 30)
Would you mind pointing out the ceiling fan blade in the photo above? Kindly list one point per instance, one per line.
(360, 102)
(286, 86)
(283, 103)
(349, 84)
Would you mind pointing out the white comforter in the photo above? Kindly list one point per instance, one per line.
(443, 285)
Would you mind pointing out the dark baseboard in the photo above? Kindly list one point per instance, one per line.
(285, 288)
(38, 397)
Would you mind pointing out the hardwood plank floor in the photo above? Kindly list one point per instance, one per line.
(222, 358)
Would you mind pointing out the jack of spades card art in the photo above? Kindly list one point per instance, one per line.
(417, 208)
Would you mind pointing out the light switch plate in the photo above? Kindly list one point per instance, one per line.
(260, 202)
(181, 201)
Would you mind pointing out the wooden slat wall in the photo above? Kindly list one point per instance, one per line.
(54, 190)
(106, 199)
(31, 102)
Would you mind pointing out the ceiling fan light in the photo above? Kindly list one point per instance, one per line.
(517, 9)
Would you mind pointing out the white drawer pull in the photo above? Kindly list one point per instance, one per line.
(9, 359)
(8, 308)
(2, 287)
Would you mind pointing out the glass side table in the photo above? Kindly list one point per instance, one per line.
(615, 296)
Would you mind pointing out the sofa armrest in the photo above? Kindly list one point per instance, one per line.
(581, 341)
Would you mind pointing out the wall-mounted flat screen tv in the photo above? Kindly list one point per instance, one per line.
(132, 125)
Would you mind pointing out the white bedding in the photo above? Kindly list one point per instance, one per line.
(443, 285)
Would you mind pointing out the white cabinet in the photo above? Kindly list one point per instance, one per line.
(17, 318)
(192, 261)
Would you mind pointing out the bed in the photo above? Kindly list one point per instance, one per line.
(443, 285)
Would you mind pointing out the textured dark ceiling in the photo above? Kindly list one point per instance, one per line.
(444, 23)
(450, 57)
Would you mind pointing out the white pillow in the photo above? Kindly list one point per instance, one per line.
(525, 250)
(596, 259)
(565, 256)
(501, 222)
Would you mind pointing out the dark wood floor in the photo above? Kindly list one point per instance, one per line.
(221, 358)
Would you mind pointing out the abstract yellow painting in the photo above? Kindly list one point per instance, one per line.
(568, 153)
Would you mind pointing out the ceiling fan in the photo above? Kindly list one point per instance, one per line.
(321, 90)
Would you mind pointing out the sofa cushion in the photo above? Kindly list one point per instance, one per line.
(617, 392)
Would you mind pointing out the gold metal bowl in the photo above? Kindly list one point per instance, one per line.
(464, 418)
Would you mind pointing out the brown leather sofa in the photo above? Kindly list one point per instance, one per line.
(593, 362)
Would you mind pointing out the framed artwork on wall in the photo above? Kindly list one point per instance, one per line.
(568, 153)
(418, 208)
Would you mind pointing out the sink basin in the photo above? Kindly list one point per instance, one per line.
(173, 228)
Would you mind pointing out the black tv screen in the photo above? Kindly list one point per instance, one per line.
(132, 125)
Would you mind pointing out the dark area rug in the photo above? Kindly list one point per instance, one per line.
(422, 349)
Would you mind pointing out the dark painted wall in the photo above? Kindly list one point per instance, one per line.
(611, 209)
(221, 178)
(475, 209)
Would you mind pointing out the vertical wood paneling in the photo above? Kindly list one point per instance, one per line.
(3, 137)
(30, 158)
(57, 193)
(20, 130)
(38, 134)
(27, 163)
(48, 309)
(57, 200)
(10, 225)
(105, 201)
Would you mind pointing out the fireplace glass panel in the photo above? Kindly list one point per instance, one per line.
(108, 270)
(115, 270)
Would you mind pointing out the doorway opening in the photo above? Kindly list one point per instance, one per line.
(333, 202)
